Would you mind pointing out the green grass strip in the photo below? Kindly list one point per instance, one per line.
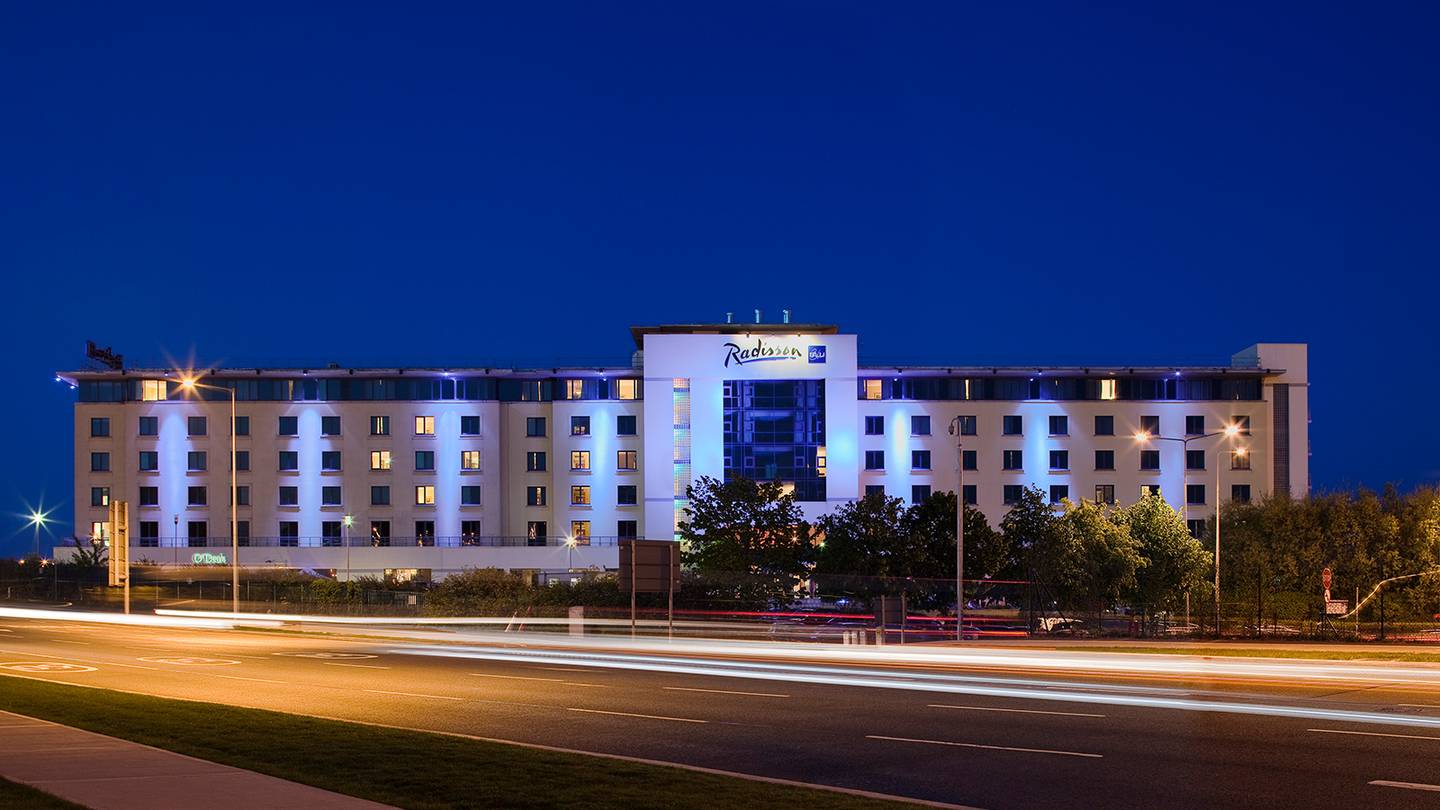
(412, 769)
(15, 796)
(1265, 652)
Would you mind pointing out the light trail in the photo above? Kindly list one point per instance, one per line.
(175, 619)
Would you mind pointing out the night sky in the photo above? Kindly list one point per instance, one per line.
(382, 185)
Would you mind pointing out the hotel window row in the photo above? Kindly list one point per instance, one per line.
(381, 389)
(1014, 460)
(1057, 425)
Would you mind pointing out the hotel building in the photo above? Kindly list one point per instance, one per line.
(432, 470)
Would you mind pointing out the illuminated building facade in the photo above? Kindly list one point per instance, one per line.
(435, 470)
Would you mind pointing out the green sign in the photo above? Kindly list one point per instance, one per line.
(208, 558)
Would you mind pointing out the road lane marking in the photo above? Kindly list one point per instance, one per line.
(987, 747)
(1372, 734)
(724, 692)
(411, 694)
(642, 716)
(337, 655)
(1420, 705)
(242, 678)
(361, 666)
(47, 667)
(1016, 711)
(1406, 785)
(83, 661)
(517, 677)
(71, 641)
(190, 661)
(568, 669)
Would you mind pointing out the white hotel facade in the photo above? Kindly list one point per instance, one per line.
(426, 471)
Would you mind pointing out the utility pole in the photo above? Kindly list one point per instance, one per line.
(956, 431)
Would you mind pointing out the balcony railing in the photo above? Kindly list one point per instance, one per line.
(365, 541)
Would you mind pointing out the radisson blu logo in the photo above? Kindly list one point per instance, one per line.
(759, 353)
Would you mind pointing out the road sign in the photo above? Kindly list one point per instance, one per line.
(1336, 607)
(119, 542)
(1325, 579)
(644, 563)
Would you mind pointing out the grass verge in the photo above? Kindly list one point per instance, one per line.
(412, 769)
(1265, 652)
(15, 796)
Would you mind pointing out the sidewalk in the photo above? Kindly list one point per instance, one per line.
(105, 772)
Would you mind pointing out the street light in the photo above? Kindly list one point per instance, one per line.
(345, 524)
(38, 520)
(190, 384)
(570, 543)
(955, 430)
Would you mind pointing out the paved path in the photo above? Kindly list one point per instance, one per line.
(104, 772)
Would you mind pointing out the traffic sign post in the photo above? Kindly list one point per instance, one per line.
(650, 566)
(120, 547)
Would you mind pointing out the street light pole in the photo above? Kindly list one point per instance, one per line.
(190, 384)
(955, 430)
(345, 525)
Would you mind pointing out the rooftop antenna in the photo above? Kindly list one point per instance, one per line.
(785, 316)
(729, 317)
(757, 316)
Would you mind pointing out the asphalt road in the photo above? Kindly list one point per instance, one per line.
(1003, 734)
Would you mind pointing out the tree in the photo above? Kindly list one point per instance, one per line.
(862, 538)
(1174, 562)
(988, 553)
(90, 554)
(1029, 529)
(1100, 557)
(747, 528)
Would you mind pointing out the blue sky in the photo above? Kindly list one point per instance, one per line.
(380, 184)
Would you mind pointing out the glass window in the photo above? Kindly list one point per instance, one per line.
(197, 531)
(149, 496)
(1104, 426)
(196, 496)
(627, 388)
(380, 532)
(971, 493)
(1195, 425)
(99, 426)
(289, 533)
(1059, 459)
(425, 495)
(242, 426)
(872, 389)
(1240, 493)
(1013, 425)
(470, 495)
(574, 389)
(1148, 490)
(625, 425)
(874, 459)
(1013, 460)
(289, 426)
(289, 496)
(1239, 460)
(149, 426)
(1059, 492)
(330, 460)
(874, 490)
(242, 460)
(379, 426)
(1242, 422)
(195, 461)
(580, 495)
(970, 460)
(579, 426)
(535, 461)
(1104, 459)
(195, 425)
(627, 529)
(380, 496)
(1194, 459)
(919, 426)
(330, 496)
(469, 426)
(1195, 494)
(149, 461)
(1105, 493)
(535, 496)
(469, 459)
(424, 426)
(580, 530)
(1150, 460)
(625, 495)
(99, 462)
(242, 495)
(534, 426)
(100, 496)
(289, 460)
(379, 459)
(1013, 493)
(1150, 424)
(579, 459)
(919, 459)
(424, 460)
(330, 531)
(968, 424)
(1059, 425)
(536, 530)
(874, 426)
(627, 460)
(919, 493)
(329, 426)
(1109, 389)
(153, 390)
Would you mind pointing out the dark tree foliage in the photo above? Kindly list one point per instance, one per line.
(749, 528)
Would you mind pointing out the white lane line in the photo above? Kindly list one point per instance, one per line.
(1016, 711)
(1406, 785)
(1372, 734)
(642, 716)
(361, 666)
(68, 641)
(242, 678)
(724, 692)
(411, 694)
(987, 747)
(568, 669)
(517, 677)
(83, 661)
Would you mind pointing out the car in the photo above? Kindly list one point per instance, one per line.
(1060, 626)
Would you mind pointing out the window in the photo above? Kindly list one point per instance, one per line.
(379, 459)
(874, 426)
(534, 426)
(469, 459)
(470, 496)
(579, 459)
(424, 532)
(1150, 460)
(580, 531)
(195, 425)
(875, 490)
(536, 532)
(1194, 459)
(535, 461)
(380, 532)
(1104, 459)
(469, 426)
(195, 461)
(242, 426)
(1013, 426)
(149, 426)
(242, 496)
(971, 493)
(379, 426)
(330, 533)
(1104, 426)
(99, 427)
(100, 529)
(1059, 492)
(380, 496)
(99, 496)
(580, 496)
(152, 391)
(424, 460)
(579, 426)
(149, 496)
(1105, 493)
(874, 459)
(289, 496)
(289, 533)
(627, 529)
(1013, 493)
(329, 426)
(149, 461)
(196, 496)
(627, 460)
(1241, 422)
(919, 426)
(424, 426)
(425, 495)
(150, 533)
(1195, 494)
(196, 532)
(535, 496)
(99, 462)
(1150, 425)
(625, 425)
(1148, 490)
(1195, 425)
(967, 425)
(1059, 459)
(1108, 389)
(625, 495)
(1240, 493)
(627, 389)
(469, 532)
(289, 426)
(919, 459)
(330, 496)
(574, 389)
(1239, 460)
(330, 460)
(873, 389)
(970, 460)
(242, 460)
(289, 461)
(1013, 460)
(919, 493)
(1059, 426)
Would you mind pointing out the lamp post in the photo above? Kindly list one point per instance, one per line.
(955, 430)
(345, 524)
(38, 520)
(1230, 432)
(570, 543)
(190, 384)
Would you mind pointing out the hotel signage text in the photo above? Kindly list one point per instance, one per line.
(761, 352)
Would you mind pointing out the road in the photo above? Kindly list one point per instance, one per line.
(991, 728)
